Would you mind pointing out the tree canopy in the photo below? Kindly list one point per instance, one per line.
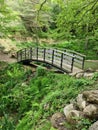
(56, 19)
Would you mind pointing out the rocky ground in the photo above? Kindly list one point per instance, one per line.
(83, 109)
(7, 58)
(7, 51)
(7, 46)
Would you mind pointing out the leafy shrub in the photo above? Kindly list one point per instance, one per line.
(33, 99)
(83, 124)
(6, 123)
(95, 77)
(82, 82)
(40, 71)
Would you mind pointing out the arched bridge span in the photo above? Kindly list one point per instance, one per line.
(64, 60)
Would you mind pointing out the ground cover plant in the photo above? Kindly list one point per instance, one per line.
(29, 99)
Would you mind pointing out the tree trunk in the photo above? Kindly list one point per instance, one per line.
(86, 40)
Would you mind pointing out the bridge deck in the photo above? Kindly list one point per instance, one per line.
(65, 61)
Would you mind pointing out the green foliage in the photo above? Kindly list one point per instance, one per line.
(26, 44)
(41, 71)
(10, 81)
(7, 123)
(7, 17)
(82, 82)
(95, 77)
(83, 124)
(28, 100)
(78, 46)
(73, 21)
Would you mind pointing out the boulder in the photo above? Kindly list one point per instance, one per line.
(74, 116)
(94, 126)
(91, 111)
(71, 114)
(58, 121)
(81, 103)
(91, 96)
(85, 106)
(67, 109)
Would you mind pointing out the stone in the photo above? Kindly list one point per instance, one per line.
(1, 47)
(13, 55)
(81, 103)
(7, 46)
(94, 126)
(88, 75)
(46, 106)
(74, 116)
(91, 111)
(58, 121)
(71, 113)
(6, 51)
(79, 75)
(89, 70)
(67, 109)
(91, 96)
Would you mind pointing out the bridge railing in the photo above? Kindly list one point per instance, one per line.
(60, 59)
(79, 59)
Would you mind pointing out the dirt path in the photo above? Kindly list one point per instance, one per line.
(7, 58)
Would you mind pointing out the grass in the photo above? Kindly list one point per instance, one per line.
(29, 100)
(91, 64)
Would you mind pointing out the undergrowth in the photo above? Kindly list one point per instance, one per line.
(29, 100)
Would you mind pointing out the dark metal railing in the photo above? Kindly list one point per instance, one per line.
(57, 58)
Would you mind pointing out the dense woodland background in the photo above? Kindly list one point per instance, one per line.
(71, 24)
(29, 97)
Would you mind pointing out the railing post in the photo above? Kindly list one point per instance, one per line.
(25, 53)
(61, 59)
(52, 57)
(31, 53)
(37, 53)
(21, 55)
(72, 64)
(17, 56)
(44, 53)
(83, 63)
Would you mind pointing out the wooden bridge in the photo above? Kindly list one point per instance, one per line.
(65, 60)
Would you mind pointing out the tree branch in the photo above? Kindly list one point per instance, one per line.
(85, 6)
(42, 4)
(92, 7)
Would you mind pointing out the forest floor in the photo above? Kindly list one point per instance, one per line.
(6, 58)
(93, 64)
